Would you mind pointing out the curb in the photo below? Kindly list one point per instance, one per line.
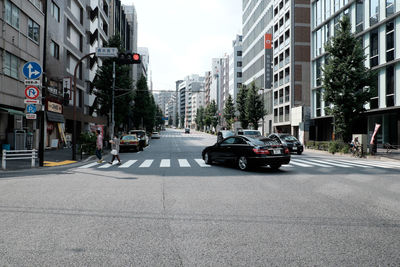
(378, 157)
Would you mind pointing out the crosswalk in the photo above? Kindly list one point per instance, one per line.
(294, 163)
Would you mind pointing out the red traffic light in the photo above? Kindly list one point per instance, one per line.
(136, 57)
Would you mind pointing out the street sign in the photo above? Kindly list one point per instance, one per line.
(31, 92)
(30, 116)
(106, 52)
(32, 101)
(33, 82)
(32, 70)
(31, 108)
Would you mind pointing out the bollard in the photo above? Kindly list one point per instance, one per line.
(33, 158)
(3, 160)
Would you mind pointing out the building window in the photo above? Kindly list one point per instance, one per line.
(239, 53)
(281, 96)
(239, 64)
(54, 50)
(374, 52)
(318, 103)
(318, 78)
(287, 94)
(390, 86)
(360, 16)
(276, 115)
(287, 113)
(337, 5)
(239, 85)
(239, 74)
(374, 102)
(33, 30)
(10, 65)
(389, 7)
(281, 114)
(373, 11)
(389, 41)
(12, 14)
(55, 11)
(327, 9)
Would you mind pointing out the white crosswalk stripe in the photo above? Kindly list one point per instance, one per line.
(165, 163)
(332, 163)
(146, 164)
(297, 163)
(89, 165)
(108, 165)
(386, 165)
(183, 163)
(314, 163)
(128, 163)
(350, 163)
(202, 163)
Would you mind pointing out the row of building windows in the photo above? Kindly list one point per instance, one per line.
(281, 22)
(282, 60)
(280, 7)
(282, 77)
(323, 9)
(282, 96)
(260, 28)
(280, 115)
(11, 64)
(256, 15)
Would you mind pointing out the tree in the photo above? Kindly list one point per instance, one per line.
(241, 107)
(200, 118)
(144, 110)
(183, 120)
(103, 87)
(159, 118)
(176, 120)
(212, 113)
(254, 106)
(348, 84)
(229, 112)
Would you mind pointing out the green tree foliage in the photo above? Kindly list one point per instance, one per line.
(212, 113)
(254, 106)
(144, 110)
(200, 118)
(176, 120)
(241, 107)
(159, 118)
(103, 87)
(229, 112)
(183, 121)
(346, 80)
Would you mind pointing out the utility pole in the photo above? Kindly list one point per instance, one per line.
(112, 103)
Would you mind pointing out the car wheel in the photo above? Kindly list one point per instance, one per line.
(275, 166)
(207, 159)
(299, 152)
(243, 163)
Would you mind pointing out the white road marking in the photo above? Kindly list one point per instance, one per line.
(128, 163)
(202, 163)
(299, 164)
(147, 163)
(331, 163)
(183, 163)
(310, 161)
(108, 165)
(165, 163)
(352, 164)
(385, 165)
(88, 165)
(344, 163)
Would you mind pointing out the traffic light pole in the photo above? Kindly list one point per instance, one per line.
(112, 104)
(74, 108)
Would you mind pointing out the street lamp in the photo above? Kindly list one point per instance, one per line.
(263, 110)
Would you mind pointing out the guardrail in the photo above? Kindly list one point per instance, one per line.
(18, 154)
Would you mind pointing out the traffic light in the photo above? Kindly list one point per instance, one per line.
(128, 58)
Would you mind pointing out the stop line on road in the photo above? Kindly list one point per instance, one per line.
(298, 163)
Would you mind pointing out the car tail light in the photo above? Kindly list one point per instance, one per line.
(286, 150)
(261, 151)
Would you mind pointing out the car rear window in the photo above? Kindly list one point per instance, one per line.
(288, 138)
(252, 133)
(129, 137)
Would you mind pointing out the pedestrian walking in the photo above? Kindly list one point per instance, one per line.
(99, 146)
(115, 149)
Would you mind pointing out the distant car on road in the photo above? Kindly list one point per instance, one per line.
(129, 142)
(155, 135)
(224, 134)
(245, 152)
(249, 133)
(143, 138)
(187, 130)
(294, 145)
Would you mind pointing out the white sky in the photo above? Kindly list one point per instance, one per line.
(184, 35)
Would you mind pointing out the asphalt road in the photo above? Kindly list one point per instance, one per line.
(164, 207)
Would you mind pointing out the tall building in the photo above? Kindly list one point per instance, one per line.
(131, 17)
(235, 67)
(21, 40)
(257, 22)
(377, 25)
(291, 67)
(186, 88)
(207, 87)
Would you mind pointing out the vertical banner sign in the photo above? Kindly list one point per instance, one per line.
(268, 60)
(377, 126)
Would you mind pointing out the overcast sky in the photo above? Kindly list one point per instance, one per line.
(184, 35)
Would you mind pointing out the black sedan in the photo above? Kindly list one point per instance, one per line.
(289, 141)
(245, 152)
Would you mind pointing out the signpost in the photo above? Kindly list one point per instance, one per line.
(107, 52)
(31, 92)
(30, 116)
(31, 108)
(32, 70)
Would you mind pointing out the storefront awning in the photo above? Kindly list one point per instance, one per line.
(13, 111)
(55, 117)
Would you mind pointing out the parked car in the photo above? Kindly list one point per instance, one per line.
(187, 130)
(155, 135)
(294, 145)
(245, 152)
(143, 138)
(249, 133)
(224, 134)
(129, 142)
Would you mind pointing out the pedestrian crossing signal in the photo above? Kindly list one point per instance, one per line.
(128, 58)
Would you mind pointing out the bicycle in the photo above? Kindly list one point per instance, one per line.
(357, 152)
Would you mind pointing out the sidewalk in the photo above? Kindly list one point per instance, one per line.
(52, 157)
(380, 155)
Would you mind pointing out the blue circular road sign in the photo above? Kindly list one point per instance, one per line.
(31, 108)
(32, 70)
